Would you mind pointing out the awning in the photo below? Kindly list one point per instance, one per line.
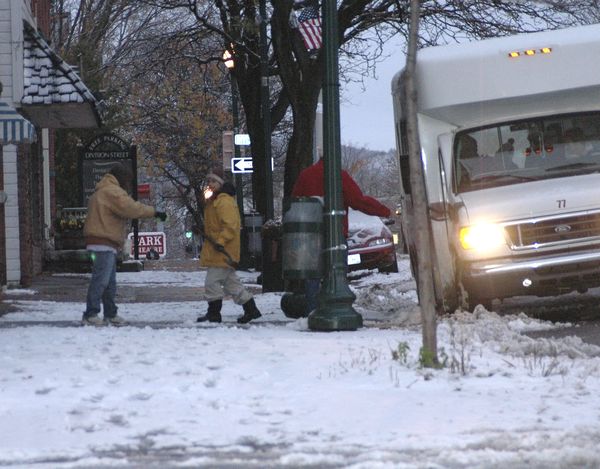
(14, 128)
(54, 96)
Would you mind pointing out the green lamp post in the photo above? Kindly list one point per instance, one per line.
(334, 311)
(230, 64)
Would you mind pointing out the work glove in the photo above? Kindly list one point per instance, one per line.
(219, 248)
(162, 216)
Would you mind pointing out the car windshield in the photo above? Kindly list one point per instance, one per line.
(516, 152)
(362, 227)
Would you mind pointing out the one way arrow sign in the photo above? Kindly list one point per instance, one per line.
(241, 165)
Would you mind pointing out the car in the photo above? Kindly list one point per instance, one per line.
(370, 243)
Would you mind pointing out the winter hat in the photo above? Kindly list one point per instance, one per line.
(123, 174)
(216, 174)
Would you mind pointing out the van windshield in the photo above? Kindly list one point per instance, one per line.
(526, 150)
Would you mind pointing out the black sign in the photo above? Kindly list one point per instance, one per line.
(98, 157)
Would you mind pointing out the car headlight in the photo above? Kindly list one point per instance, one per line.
(377, 242)
(482, 237)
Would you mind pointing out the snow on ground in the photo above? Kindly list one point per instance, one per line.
(274, 394)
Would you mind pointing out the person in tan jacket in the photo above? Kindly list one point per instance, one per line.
(221, 252)
(109, 208)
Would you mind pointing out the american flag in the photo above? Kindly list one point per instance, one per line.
(310, 28)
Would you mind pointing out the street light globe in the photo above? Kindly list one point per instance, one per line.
(228, 59)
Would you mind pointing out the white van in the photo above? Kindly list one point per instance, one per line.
(510, 143)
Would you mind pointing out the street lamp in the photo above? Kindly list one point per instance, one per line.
(334, 311)
(229, 62)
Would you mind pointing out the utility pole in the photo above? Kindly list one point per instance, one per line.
(422, 226)
(229, 60)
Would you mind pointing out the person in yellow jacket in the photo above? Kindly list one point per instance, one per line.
(109, 208)
(221, 252)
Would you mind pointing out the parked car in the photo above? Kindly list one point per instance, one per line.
(370, 243)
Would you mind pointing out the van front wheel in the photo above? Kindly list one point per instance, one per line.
(474, 301)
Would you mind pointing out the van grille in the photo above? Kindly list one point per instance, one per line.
(540, 232)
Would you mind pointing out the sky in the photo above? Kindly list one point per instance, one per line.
(366, 111)
(166, 391)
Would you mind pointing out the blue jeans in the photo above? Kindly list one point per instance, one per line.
(103, 285)
(311, 292)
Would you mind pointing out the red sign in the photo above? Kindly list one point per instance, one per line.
(148, 240)
(143, 190)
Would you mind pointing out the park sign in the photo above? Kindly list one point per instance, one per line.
(98, 156)
(148, 240)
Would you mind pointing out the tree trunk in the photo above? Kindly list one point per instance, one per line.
(301, 75)
(300, 147)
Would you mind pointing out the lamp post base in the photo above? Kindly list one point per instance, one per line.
(335, 317)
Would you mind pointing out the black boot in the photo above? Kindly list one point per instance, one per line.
(250, 312)
(214, 312)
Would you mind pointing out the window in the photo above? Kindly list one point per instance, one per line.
(515, 152)
(403, 157)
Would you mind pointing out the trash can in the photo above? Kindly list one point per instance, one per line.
(302, 246)
(271, 277)
(252, 236)
(302, 239)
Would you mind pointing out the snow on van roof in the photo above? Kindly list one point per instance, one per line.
(579, 35)
(477, 82)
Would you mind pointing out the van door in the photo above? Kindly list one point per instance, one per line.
(406, 200)
(442, 228)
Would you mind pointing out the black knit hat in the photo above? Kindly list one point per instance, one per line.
(217, 175)
(124, 175)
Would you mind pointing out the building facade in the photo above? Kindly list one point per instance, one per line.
(40, 93)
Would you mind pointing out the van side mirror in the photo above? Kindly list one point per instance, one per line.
(437, 211)
(388, 221)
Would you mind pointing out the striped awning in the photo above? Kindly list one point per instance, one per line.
(14, 128)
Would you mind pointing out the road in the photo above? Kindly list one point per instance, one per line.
(582, 311)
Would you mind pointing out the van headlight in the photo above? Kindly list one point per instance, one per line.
(482, 237)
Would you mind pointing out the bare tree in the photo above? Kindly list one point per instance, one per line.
(94, 36)
(176, 117)
(295, 73)
(376, 172)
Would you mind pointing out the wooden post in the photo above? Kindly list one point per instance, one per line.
(422, 226)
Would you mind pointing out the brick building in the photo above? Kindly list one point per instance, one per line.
(40, 93)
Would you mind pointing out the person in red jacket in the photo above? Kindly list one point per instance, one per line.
(310, 183)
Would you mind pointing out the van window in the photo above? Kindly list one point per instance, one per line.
(525, 150)
(403, 157)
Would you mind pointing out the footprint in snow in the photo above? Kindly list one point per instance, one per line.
(140, 396)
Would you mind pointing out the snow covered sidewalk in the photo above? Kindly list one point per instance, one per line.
(273, 394)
